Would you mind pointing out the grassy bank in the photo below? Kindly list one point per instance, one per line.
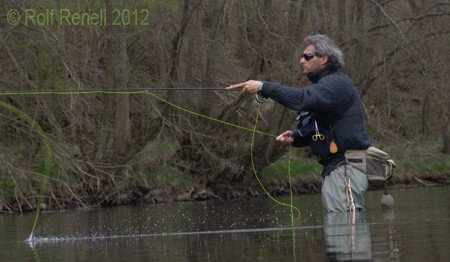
(154, 175)
(410, 168)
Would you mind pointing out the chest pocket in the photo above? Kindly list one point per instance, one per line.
(306, 123)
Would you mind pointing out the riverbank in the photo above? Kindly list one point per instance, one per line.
(140, 195)
(170, 184)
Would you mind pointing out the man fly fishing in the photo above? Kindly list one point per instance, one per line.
(330, 120)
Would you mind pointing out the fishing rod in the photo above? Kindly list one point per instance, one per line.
(150, 88)
(259, 97)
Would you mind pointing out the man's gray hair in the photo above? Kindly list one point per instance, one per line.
(324, 46)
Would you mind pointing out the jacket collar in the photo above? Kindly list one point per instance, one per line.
(316, 76)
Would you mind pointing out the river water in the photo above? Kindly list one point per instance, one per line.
(418, 229)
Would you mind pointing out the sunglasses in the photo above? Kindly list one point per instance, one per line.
(308, 56)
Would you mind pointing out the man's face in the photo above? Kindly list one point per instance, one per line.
(310, 62)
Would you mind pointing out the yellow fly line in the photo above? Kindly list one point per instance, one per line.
(143, 91)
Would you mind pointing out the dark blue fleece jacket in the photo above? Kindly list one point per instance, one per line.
(336, 104)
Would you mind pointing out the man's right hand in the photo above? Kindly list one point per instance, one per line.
(286, 138)
(249, 87)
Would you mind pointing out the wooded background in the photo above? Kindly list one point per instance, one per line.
(107, 149)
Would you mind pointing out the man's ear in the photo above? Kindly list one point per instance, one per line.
(323, 60)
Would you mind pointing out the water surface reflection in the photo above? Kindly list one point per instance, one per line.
(243, 230)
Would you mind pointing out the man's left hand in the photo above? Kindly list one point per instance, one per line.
(249, 87)
(287, 137)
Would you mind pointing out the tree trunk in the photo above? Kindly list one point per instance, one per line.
(317, 14)
(115, 132)
(446, 129)
(425, 114)
(177, 40)
(120, 72)
(360, 29)
(342, 20)
(375, 15)
(175, 53)
(296, 19)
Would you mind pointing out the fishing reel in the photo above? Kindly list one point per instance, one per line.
(261, 98)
